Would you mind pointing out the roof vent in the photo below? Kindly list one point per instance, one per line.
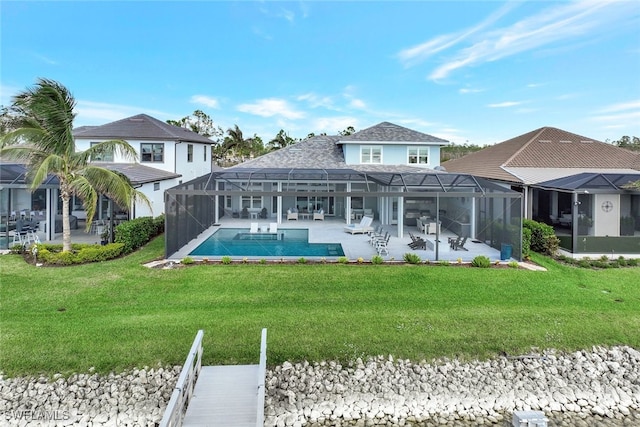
(136, 120)
(565, 141)
(544, 140)
(587, 142)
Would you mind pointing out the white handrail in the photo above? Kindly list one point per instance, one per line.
(174, 413)
(262, 372)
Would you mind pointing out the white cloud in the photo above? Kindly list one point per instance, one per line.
(99, 113)
(622, 106)
(333, 125)
(205, 100)
(358, 103)
(466, 90)
(271, 107)
(555, 24)
(505, 104)
(316, 101)
(419, 53)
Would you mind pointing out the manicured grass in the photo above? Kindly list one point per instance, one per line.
(119, 314)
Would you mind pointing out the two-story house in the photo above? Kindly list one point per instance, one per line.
(166, 156)
(386, 171)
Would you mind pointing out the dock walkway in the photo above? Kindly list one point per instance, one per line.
(230, 396)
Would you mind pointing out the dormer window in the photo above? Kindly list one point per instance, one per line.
(418, 155)
(371, 155)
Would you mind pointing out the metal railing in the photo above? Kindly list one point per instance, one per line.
(174, 413)
(262, 371)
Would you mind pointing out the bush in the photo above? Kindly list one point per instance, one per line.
(302, 260)
(411, 258)
(526, 242)
(187, 260)
(481, 261)
(79, 254)
(136, 233)
(343, 260)
(513, 264)
(226, 260)
(543, 238)
(377, 260)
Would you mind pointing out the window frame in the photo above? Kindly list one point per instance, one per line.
(418, 155)
(152, 146)
(189, 153)
(369, 152)
(102, 158)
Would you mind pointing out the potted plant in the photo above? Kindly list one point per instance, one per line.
(584, 223)
(627, 226)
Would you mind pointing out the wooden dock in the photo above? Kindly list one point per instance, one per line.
(230, 396)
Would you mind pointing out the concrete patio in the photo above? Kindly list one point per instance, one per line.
(331, 230)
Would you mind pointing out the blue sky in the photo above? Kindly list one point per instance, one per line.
(476, 71)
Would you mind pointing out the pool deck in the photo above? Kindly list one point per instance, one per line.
(354, 246)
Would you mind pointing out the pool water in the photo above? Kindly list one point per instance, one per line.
(293, 242)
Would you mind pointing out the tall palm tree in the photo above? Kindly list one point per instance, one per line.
(43, 140)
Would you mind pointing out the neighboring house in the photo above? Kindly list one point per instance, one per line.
(573, 182)
(167, 156)
(385, 171)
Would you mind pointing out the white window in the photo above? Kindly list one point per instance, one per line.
(371, 155)
(156, 186)
(418, 155)
(189, 153)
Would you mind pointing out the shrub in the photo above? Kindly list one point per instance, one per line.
(513, 264)
(187, 260)
(302, 260)
(135, 233)
(225, 260)
(377, 260)
(481, 261)
(526, 242)
(263, 261)
(360, 260)
(543, 238)
(411, 258)
(633, 262)
(444, 263)
(343, 260)
(79, 254)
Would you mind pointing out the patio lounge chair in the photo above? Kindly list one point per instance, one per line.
(319, 215)
(273, 227)
(458, 244)
(292, 215)
(417, 242)
(254, 227)
(363, 227)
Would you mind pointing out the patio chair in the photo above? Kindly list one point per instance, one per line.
(291, 215)
(273, 227)
(319, 215)
(377, 239)
(381, 246)
(254, 227)
(417, 242)
(363, 227)
(459, 244)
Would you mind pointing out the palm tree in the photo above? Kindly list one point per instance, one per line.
(43, 140)
(281, 140)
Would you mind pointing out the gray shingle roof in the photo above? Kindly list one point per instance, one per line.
(139, 174)
(547, 147)
(315, 152)
(389, 132)
(143, 127)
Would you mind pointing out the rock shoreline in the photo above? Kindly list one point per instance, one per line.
(597, 387)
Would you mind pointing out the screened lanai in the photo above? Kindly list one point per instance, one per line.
(461, 204)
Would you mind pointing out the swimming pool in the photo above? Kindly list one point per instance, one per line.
(292, 242)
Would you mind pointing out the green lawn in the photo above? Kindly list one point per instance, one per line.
(120, 314)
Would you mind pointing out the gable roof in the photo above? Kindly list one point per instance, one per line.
(389, 132)
(315, 152)
(139, 127)
(544, 148)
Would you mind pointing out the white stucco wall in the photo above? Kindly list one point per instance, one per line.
(606, 223)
